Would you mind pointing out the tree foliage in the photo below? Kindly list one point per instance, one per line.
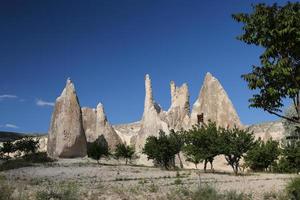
(27, 145)
(177, 140)
(98, 149)
(161, 149)
(277, 30)
(202, 144)
(262, 155)
(124, 151)
(8, 147)
(235, 143)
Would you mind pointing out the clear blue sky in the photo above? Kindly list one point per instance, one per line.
(107, 46)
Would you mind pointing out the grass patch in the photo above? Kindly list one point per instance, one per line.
(14, 164)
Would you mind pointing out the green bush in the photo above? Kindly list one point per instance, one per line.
(98, 149)
(39, 157)
(205, 192)
(14, 164)
(262, 155)
(59, 192)
(124, 151)
(293, 189)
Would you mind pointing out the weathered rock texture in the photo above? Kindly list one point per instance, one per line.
(128, 132)
(179, 111)
(89, 117)
(95, 124)
(66, 137)
(151, 122)
(103, 127)
(214, 104)
(265, 131)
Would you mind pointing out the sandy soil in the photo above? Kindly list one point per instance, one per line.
(118, 181)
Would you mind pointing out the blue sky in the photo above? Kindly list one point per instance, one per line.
(107, 46)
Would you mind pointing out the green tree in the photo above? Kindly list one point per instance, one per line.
(277, 30)
(291, 153)
(177, 139)
(262, 155)
(161, 150)
(98, 149)
(235, 143)
(8, 147)
(202, 144)
(124, 151)
(27, 145)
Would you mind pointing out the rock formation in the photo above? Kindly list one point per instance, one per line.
(103, 127)
(151, 121)
(267, 130)
(179, 111)
(95, 124)
(213, 104)
(66, 137)
(89, 123)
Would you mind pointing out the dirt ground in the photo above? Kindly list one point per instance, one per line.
(114, 180)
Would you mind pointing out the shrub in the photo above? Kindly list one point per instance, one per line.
(262, 155)
(124, 151)
(98, 149)
(27, 145)
(293, 189)
(8, 147)
(39, 157)
(205, 193)
(59, 192)
(14, 164)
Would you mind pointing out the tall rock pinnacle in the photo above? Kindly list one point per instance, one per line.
(214, 104)
(178, 113)
(151, 122)
(66, 137)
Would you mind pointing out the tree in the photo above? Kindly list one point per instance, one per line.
(124, 151)
(277, 30)
(262, 155)
(235, 143)
(177, 139)
(202, 144)
(291, 154)
(8, 147)
(98, 149)
(27, 145)
(161, 150)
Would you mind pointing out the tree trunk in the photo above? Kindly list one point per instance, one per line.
(236, 169)
(196, 165)
(126, 160)
(180, 161)
(205, 164)
(211, 166)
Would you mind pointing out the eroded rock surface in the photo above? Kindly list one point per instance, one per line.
(151, 121)
(179, 111)
(66, 137)
(214, 104)
(268, 130)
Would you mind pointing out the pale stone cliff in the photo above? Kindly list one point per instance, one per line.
(66, 137)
